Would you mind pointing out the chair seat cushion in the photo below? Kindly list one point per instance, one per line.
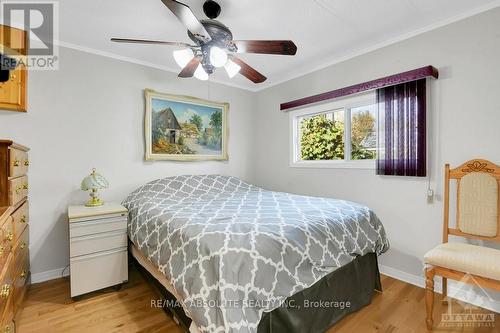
(472, 259)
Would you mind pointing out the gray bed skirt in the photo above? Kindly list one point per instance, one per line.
(314, 309)
(320, 306)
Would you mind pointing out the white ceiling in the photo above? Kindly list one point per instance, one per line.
(325, 31)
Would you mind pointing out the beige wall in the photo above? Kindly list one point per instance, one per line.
(464, 124)
(90, 113)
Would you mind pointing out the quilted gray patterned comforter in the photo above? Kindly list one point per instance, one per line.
(233, 250)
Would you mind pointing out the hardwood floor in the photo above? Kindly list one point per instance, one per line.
(49, 308)
(401, 308)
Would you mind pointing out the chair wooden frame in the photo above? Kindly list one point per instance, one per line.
(476, 165)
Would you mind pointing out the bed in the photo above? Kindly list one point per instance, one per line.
(239, 258)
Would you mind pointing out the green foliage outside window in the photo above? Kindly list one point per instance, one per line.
(362, 129)
(322, 138)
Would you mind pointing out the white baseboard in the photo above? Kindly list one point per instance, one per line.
(405, 277)
(460, 294)
(49, 275)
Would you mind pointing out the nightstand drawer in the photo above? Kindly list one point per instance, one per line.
(77, 229)
(97, 271)
(80, 246)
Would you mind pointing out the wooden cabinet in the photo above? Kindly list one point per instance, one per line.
(98, 247)
(14, 231)
(13, 94)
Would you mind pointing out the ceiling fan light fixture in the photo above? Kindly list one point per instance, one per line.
(232, 68)
(218, 57)
(213, 45)
(183, 57)
(200, 73)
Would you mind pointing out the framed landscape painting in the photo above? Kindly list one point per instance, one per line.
(185, 128)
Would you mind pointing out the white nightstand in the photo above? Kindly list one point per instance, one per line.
(97, 247)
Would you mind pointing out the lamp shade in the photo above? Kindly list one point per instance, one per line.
(94, 181)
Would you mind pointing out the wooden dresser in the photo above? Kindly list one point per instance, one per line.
(14, 231)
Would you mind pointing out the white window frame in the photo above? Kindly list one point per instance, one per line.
(342, 104)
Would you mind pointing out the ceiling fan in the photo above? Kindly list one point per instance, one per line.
(214, 46)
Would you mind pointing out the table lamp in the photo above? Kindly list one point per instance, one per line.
(94, 182)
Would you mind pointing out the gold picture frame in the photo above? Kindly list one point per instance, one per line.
(185, 128)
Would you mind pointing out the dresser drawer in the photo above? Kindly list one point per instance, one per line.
(20, 219)
(18, 189)
(7, 324)
(97, 271)
(5, 250)
(21, 247)
(20, 279)
(6, 240)
(92, 227)
(83, 245)
(18, 162)
(7, 285)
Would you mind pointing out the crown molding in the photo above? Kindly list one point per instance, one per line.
(408, 35)
(140, 62)
(336, 60)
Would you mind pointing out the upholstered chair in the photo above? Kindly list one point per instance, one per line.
(477, 217)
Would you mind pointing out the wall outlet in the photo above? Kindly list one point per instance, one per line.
(430, 196)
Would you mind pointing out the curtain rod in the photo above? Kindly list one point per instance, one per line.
(416, 74)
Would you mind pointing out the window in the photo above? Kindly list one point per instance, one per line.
(339, 134)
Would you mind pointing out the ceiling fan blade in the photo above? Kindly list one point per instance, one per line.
(190, 68)
(283, 47)
(249, 72)
(186, 16)
(146, 41)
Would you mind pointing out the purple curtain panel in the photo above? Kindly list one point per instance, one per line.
(402, 130)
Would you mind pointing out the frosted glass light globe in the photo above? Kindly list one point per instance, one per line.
(183, 57)
(218, 57)
(232, 68)
(200, 73)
